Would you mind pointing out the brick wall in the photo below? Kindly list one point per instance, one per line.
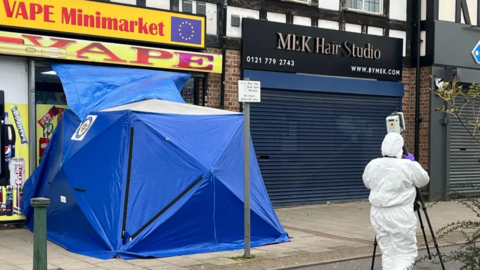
(213, 87)
(232, 75)
(409, 76)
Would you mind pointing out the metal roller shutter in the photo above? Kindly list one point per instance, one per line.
(313, 147)
(464, 158)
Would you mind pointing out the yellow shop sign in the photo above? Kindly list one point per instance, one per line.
(102, 52)
(105, 20)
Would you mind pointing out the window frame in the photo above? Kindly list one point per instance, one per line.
(379, 13)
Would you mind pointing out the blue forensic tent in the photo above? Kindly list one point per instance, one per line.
(93, 88)
(150, 179)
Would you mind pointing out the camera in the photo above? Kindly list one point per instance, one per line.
(395, 123)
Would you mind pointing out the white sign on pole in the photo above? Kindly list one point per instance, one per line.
(249, 91)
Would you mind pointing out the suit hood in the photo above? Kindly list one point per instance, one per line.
(392, 145)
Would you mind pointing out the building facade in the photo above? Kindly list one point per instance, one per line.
(450, 47)
(301, 86)
(324, 104)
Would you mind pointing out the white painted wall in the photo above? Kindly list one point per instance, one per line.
(211, 18)
(129, 2)
(328, 24)
(398, 10)
(160, 4)
(375, 31)
(356, 28)
(424, 10)
(299, 20)
(472, 11)
(446, 10)
(276, 17)
(14, 79)
(329, 4)
(423, 45)
(402, 35)
(243, 13)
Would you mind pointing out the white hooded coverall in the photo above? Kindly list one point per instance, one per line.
(392, 182)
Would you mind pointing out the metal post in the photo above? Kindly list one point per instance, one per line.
(40, 232)
(32, 134)
(224, 54)
(246, 167)
(418, 91)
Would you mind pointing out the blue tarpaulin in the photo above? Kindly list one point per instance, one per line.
(91, 88)
(182, 195)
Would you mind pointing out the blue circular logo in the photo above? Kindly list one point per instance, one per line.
(84, 127)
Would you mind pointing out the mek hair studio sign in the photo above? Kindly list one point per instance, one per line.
(299, 49)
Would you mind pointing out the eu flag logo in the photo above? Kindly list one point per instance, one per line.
(186, 30)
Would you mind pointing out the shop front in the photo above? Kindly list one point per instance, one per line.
(35, 34)
(325, 97)
(454, 153)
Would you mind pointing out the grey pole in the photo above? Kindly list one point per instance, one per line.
(246, 167)
(32, 134)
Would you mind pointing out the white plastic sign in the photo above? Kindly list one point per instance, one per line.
(249, 91)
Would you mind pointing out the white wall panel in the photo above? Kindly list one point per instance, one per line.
(276, 17)
(402, 35)
(375, 31)
(299, 20)
(211, 18)
(14, 79)
(446, 10)
(328, 24)
(472, 11)
(243, 13)
(398, 10)
(356, 28)
(160, 4)
(329, 4)
(424, 10)
(423, 45)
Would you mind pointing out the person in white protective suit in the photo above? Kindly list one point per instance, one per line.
(392, 182)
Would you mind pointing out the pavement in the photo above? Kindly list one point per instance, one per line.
(320, 234)
(364, 264)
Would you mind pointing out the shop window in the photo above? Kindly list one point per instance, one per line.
(371, 6)
(48, 87)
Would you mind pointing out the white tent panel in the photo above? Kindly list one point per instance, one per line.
(163, 106)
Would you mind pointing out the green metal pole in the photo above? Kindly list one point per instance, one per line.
(40, 233)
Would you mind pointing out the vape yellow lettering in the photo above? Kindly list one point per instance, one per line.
(18, 123)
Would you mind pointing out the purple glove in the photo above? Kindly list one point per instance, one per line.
(409, 156)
